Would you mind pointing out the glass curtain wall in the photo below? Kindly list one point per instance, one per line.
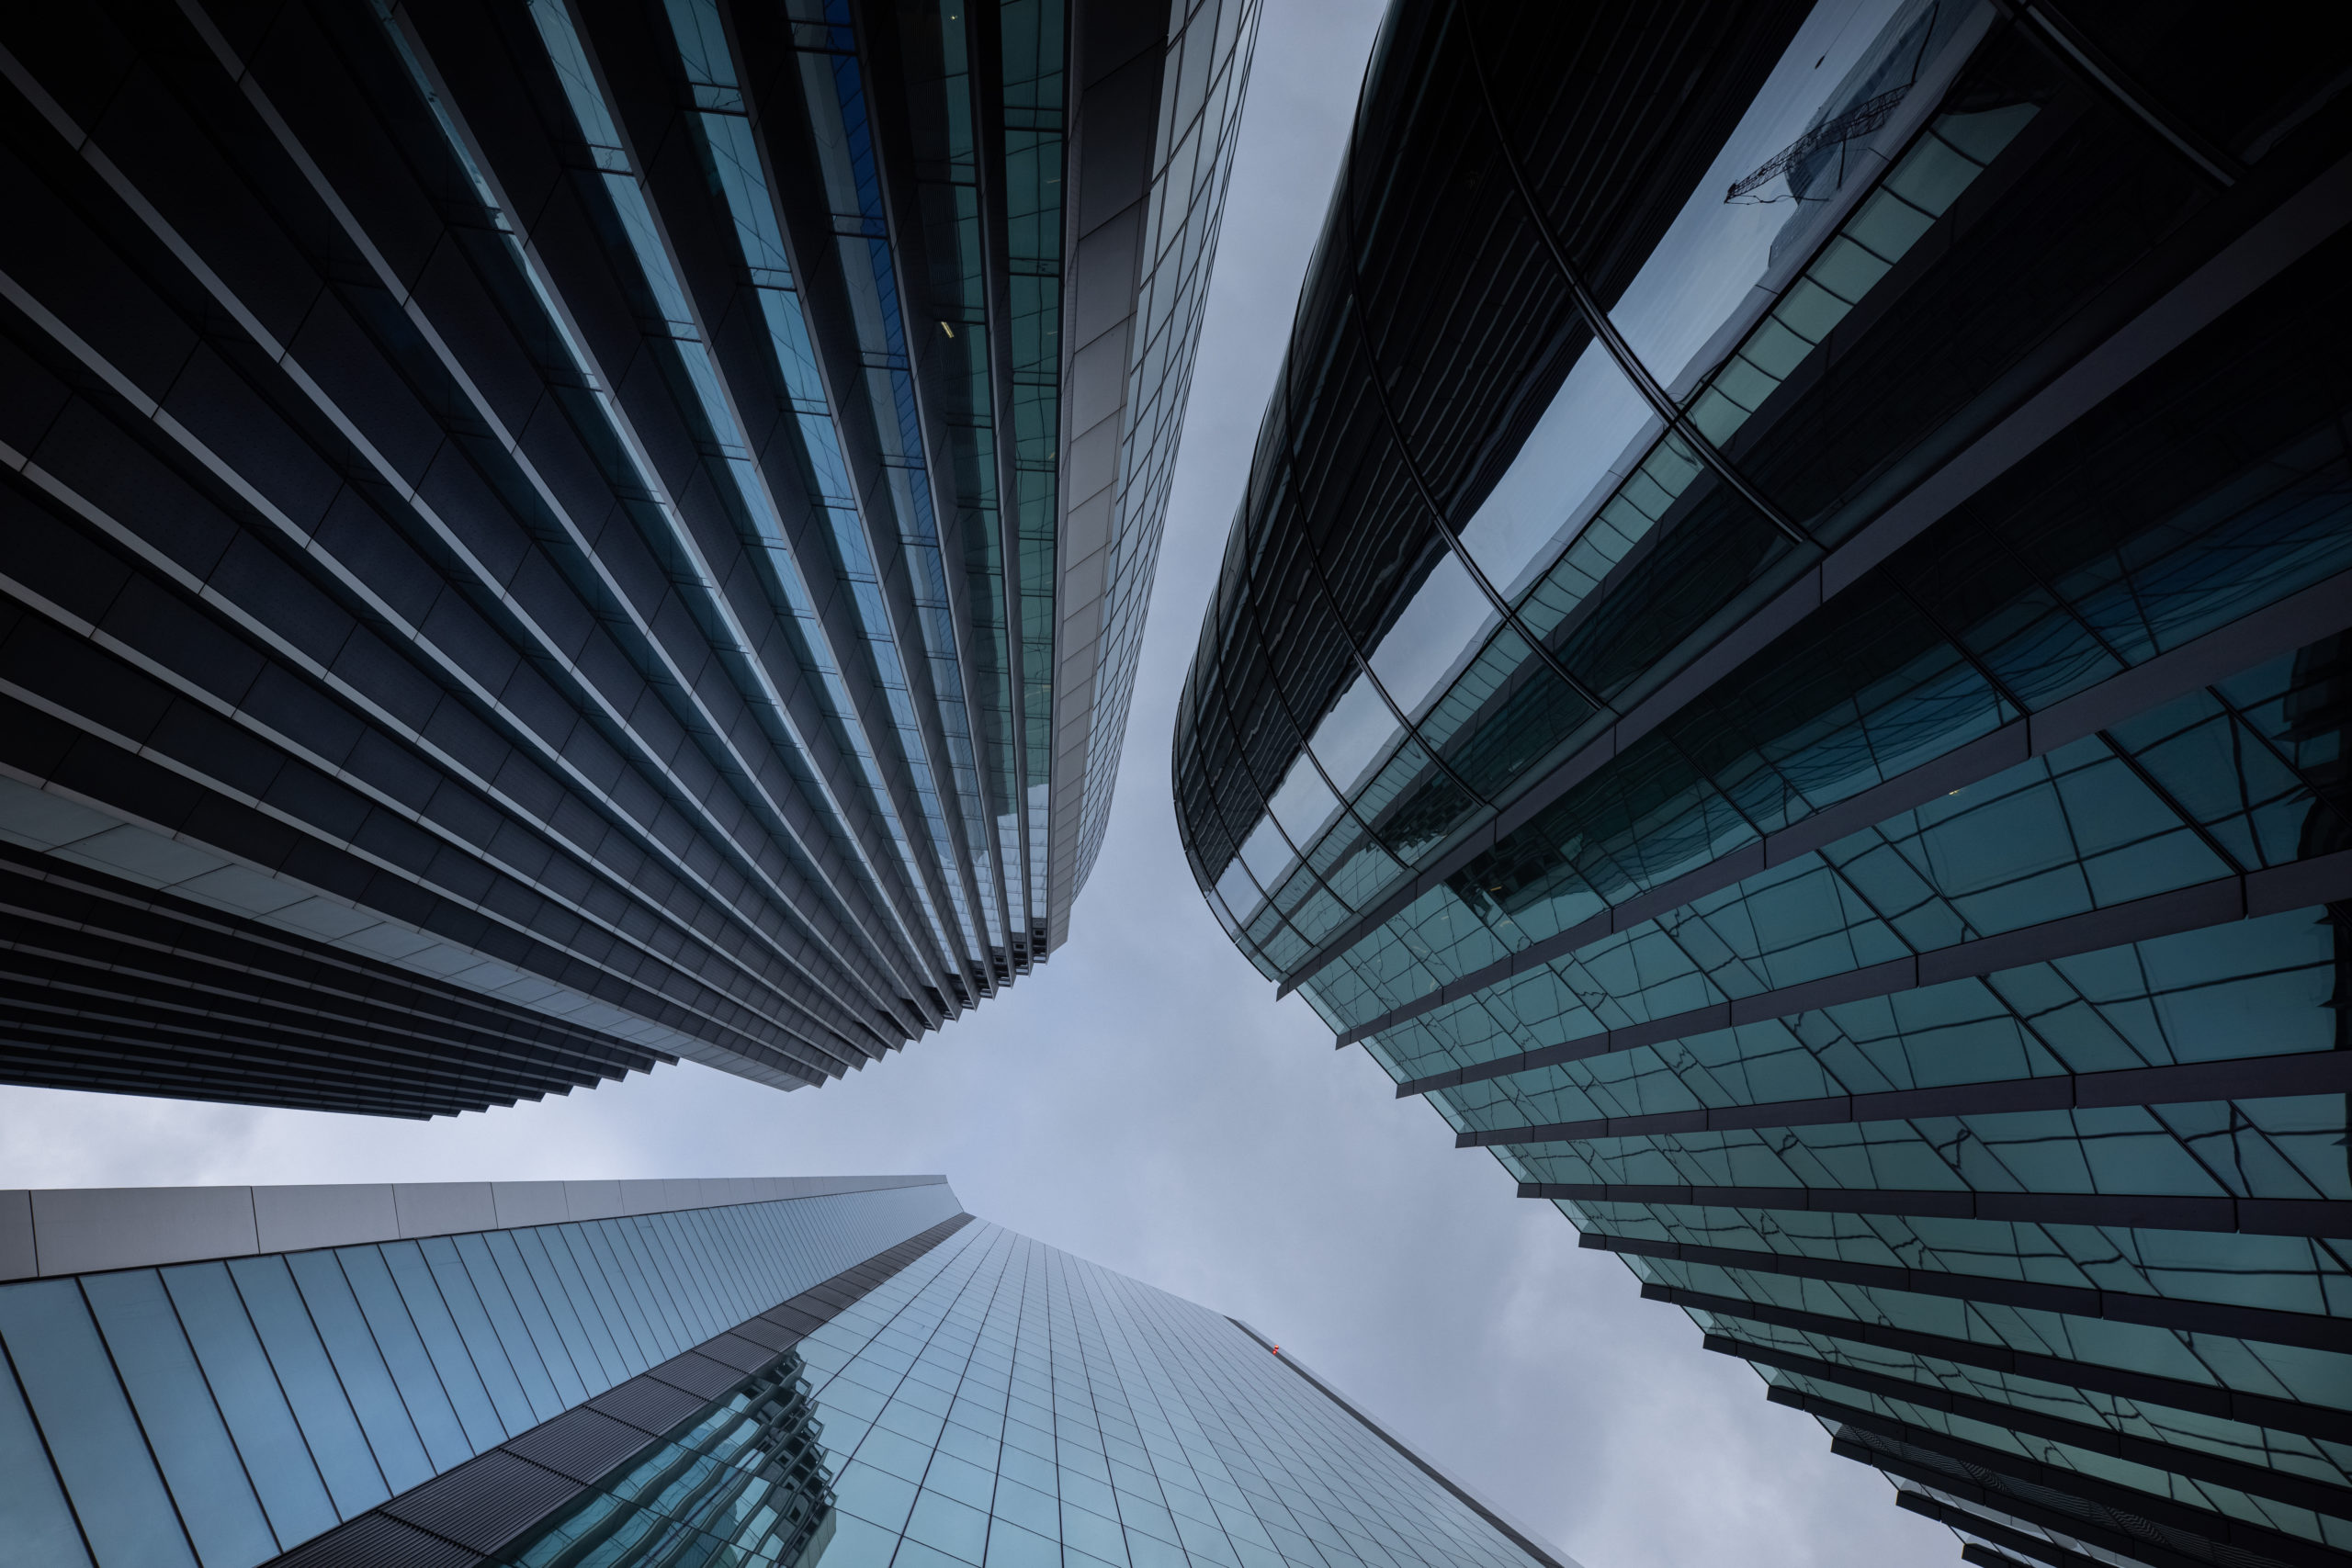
(1002, 1404)
(1782, 665)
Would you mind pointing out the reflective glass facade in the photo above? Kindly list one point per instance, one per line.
(552, 537)
(218, 1413)
(1784, 663)
(1001, 1403)
(858, 1380)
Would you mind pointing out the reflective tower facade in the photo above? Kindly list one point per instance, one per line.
(1783, 664)
(789, 1373)
(546, 536)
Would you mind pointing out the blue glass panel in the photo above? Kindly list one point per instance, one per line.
(41, 1532)
(451, 1359)
(98, 1448)
(405, 1354)
(183, 1427)
(320, 1406)
(612, 1294)
(555, 1350)
(400, 1451)
(619, 1267)
(250, 1400)
(473, 1326)
(667, 1308)
(506, 1321)
(576, 1309)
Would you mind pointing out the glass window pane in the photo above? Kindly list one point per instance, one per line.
(275, 1455)
(595, 1278)
(311, 1388)
(383, 1416)
(92, 1436)
(551, 1261)
(405, 1354)
(481, 1339)
(451, 1359)
(557, 1348)
(506, 1321)
(183, 1427)
(41, 1532)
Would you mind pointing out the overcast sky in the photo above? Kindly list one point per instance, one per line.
(1144, 1101)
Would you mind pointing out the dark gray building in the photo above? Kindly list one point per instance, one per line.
(789, 1372)
(547, 537)
(1783, 664)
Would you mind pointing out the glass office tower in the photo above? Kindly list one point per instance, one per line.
(851, 1373)
(552, 535)
(1784, 663)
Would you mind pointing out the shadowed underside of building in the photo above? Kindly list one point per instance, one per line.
(1785, 664)
(545, 537)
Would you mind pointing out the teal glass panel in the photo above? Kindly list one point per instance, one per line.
(183, 1427)
(391, 1433)
(239, 1374)
(41, 1532)
(100, 1451)
(515, 1410)
(452, 1363)
(427, 1399)
(321, 1407)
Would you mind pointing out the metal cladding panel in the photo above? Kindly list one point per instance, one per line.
(583, 1444)
(382, 1542)
(1731, 579)
(484, 1504)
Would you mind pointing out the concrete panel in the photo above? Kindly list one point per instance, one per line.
(445, 1208)
(16, 1259)
(523, 1203)
(593, 1199)
(81, 1230)
(294, 1219)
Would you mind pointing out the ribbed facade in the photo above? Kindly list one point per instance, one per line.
(1784, 664)
(550, 536)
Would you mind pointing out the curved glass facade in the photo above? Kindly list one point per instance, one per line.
(550, 537)
(1783, 664)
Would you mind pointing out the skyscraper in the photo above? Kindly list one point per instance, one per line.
(1783, 665)
(549, 537)
(797, 1373)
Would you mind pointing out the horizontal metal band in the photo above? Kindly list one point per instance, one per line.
(2267, 1325)
(2261, 1481)
(2257, 1078)
(2146, 1388)
(2274, 890)
(2258, 1216)
(463, 1515)
(2133, 1548)
(2165, 1512)
(2006, 1536)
